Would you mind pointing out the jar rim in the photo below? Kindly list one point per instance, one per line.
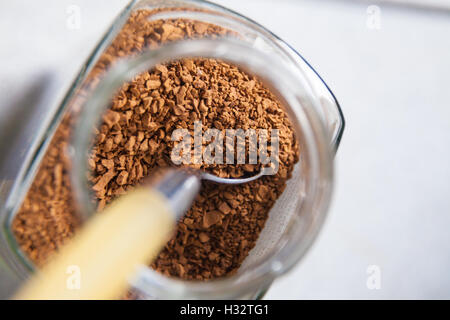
(289, 87)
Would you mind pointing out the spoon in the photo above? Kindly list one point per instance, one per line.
(129, 232)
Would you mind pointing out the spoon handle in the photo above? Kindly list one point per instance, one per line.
(131, 231)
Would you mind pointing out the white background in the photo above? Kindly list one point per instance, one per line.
(391, 205)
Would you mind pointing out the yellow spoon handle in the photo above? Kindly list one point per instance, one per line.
(99, 261)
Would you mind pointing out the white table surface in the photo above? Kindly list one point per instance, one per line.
(391, 206)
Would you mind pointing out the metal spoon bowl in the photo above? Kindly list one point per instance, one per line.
(213, 178)
(181, 186)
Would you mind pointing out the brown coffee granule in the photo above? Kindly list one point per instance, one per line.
(140, 137)
(47, 217)
(224, 222)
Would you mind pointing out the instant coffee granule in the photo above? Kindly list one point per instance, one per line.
(134, 141)
(47, 217)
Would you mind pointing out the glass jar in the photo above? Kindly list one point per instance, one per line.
(297, 216)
